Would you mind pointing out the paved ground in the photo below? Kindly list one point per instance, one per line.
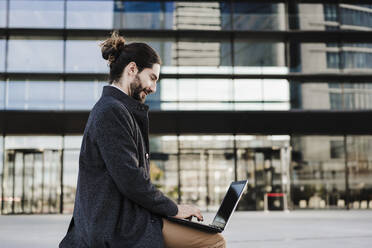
(313, 229)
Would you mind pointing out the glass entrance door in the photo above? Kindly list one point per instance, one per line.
(205, 176)
(267, 171)
(31, 181)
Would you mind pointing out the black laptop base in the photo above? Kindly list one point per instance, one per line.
(200, 226)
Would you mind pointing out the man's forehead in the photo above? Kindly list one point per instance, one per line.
(155, 69)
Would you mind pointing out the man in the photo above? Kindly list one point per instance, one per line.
(116, 204)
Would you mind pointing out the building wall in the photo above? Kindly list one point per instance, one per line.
(193, 168)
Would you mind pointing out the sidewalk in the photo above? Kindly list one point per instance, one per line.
(305, 229)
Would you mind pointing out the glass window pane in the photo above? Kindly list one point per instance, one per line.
(327, 58)
(188, 56)
(359, 150)
(275, 90)
(333, 96)
(34, 142)
(1, 164)
(34, 95)
(2, 54)
(210, 54)
(144, 15)
(214, 90)
(36, 13)
(45, 95)
(16, 92)
(258, 16)
(318, 179)
(349, 16)
(84, 56)
(70, 170)
(276, 106)
(172, 15)
(28, 55)
(3, 13)
(169, 90)
(81, 95)
(248, 90)
(187, 89)
(248, 53)
(2, 94)
(164, 47)
(90, 14)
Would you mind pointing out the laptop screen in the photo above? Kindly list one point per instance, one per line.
(229, 203)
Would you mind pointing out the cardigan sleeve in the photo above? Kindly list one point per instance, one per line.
(114, 135)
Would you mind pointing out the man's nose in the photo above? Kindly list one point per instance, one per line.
(153, 87)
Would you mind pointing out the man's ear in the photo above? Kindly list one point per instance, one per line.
(132, 68)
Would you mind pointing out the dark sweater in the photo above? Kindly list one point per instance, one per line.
(116, 205)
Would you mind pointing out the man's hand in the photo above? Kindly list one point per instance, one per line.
(188, 211)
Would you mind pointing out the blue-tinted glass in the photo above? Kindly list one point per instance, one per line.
(16, 95)
(330, 12)
(356, 17)
(36, 13)
(2, 94)
(258, 16)
(81, 95)
(90, 14)
(37, 95)
(35, 55)
(2, 13)
(226, 9)
(164, 47)
(144, 15)
(2, 55)
(258, 54)
(45, 95)
(84, 56)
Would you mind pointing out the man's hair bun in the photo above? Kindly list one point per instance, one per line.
(112, 47)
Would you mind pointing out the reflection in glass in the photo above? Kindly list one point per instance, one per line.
(264, 161)
(258, 16)
(2, 55)
(224, 94)
(333, 58)
(34, 95)
(3, 13)
(336, 96)
(84, 56)
(187, 56)
(90, 14)
(2, 159)
(31, 181)
(70, 174)
(359, 16)
(32, 174)
(211, 54)
(318, 172)
(2, 94)
(247, 53)
(36, 13)
(81, 95)
(8, 200)
(359, 150)
(35, 55)
(144, 15)
(205, 175)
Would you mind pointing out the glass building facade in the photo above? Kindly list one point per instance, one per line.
(218, 57)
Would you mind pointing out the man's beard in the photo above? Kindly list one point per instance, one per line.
(136, 89)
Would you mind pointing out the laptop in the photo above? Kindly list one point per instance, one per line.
(226, 209)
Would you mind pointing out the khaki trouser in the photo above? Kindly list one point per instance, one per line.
(179, 236)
